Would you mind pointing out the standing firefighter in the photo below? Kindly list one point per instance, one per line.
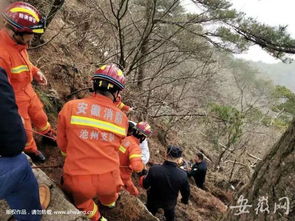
(130, 153)
(22, 21)
(164, 183)
(90, 131)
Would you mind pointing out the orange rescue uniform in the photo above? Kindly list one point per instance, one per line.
(15, 61)
(89, 133)
(130, 160)
(123, 107)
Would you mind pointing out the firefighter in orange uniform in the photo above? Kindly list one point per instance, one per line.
(89, 134)
(21, 22)
(123, 107)
(130, 154)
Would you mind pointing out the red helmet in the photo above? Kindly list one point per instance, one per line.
(23, 17)
(112, 74)
(144, 128)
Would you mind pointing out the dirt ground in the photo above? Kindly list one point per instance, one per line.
(204, 206)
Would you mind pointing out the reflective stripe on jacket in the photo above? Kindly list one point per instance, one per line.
(15, 61)
(130, 157)
(90, 132)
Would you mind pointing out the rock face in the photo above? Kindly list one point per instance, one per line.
(270, 193)
(60, 209)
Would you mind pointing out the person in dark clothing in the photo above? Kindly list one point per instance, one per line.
(164, 183)
(199, 170)
(18, 185)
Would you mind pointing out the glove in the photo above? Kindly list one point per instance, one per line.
(132, 189)
(136, 166)
(143, 172)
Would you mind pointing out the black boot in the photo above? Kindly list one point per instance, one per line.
(37, 157)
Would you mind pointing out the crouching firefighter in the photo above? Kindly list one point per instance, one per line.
(130, 154)
(90, 132)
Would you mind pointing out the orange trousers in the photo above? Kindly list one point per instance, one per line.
(31, 109)
(130, 187)
(83, 188)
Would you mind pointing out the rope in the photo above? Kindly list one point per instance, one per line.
(40, 134)
(37, 167)
(59, 166)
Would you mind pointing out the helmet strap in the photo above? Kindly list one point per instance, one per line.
(138, 136)
(115, 96)
(116, 99)
(16, 37)
(106, 88)
(142, 138)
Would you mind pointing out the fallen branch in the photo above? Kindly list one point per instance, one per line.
(48, 167)
(234, 162)
(250, 155)
(178, 115)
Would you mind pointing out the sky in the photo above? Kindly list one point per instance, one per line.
(271, 12)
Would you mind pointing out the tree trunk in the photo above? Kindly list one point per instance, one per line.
(140, 75)
(57, 4)
(144, 47)
(271, 190)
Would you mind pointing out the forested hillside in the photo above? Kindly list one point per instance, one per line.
(183, 79)
(279, 73)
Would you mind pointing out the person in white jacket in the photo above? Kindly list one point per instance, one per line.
(145, 152)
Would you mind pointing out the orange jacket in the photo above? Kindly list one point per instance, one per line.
(90, 131)
(15, 61)
(130, 157)
(123, 107)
